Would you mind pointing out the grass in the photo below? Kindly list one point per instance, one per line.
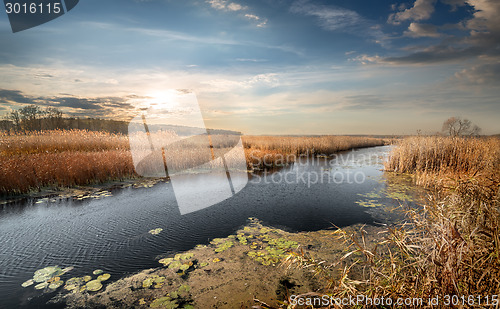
(64, 158)
(272, 151)
(451, 246)
(61, 158)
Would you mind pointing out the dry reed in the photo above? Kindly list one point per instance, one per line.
(270, 151)
(448, 249)
(60, 158)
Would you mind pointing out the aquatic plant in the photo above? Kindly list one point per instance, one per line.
(165, 261)
(224, 246)
(164, 302)
(103, 277)
(148, 282)
(42, 285)
(56, 284)
(93, 285)
(27, 283)
(97, 272)
(155, 231)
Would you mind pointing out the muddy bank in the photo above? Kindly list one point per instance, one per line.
(228, 273)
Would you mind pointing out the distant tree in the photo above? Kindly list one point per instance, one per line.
(16, 119)
(31, 117)
(456, 126)
(53, 118)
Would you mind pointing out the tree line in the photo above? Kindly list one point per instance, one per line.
(35, 118)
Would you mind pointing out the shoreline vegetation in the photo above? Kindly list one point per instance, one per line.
(34, 161)
(449, 247)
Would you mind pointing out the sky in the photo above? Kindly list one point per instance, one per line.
(266, 66)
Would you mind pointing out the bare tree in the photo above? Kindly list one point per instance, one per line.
(16, 119)
(456, 126)
(31, 117)
(53, 118)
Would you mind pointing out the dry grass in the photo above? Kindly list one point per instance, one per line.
(61, 158)
(446, 157)
(449, 247)
(270, 151)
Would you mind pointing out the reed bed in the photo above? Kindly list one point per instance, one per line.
(61, 158)
(271, 151)
(449, 248)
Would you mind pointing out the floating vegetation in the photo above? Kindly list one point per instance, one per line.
(56, 284)
(164, 302)
(147, 283)
(28, 283)
(47, 273)
(103, 277)
(185, 266)
(369, 203)
(155, 231)
(93, 285)
(95, 195)
(154, 279)
(203, 264)
(47, 277)
(173, 300)
(166, 261)
(216, 260)
(371, 195)
(87, 278)
(97, 271)
(224, 246)
(42, 285)
(175, 264)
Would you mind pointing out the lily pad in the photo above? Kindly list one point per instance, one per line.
(165, 302)
(67, 269)
(174, 264)
(75, 281)
(94, 285)
(46, 273)
(155, 231)
(56, 284)
(42, 285)
(97, 271)
(28, 283)
(70, 287)
(147, 282)
(87, 278)
(103, 277)
(166, 261)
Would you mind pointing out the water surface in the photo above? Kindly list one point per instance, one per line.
(112, 233)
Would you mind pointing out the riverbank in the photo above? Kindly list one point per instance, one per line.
(231, 272)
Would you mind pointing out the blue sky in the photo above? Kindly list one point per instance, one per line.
(266, 66)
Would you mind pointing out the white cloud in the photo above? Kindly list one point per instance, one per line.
(366, 59)
(234, 7)
(416, 30)
(421, 10)
(330, 18)
(225, 5)
(483, 74)
(262, 22)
